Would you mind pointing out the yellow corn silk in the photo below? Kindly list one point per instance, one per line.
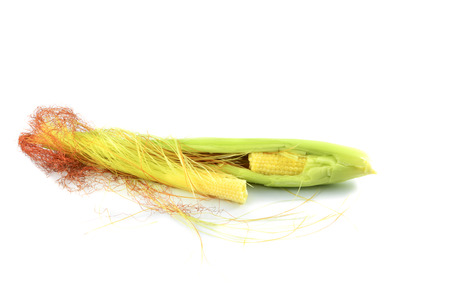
(155, 159)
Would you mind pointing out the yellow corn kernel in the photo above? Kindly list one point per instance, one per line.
(277, 163)
(228, 188)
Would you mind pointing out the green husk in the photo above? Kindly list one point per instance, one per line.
(327, 163)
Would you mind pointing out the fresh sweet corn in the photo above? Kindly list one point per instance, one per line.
(218, 167)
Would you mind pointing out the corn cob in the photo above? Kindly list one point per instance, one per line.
(216, 167)
(276, 163)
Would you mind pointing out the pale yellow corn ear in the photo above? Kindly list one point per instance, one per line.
(228, 188)
(277, 163)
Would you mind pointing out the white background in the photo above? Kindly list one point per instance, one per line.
(369, 74)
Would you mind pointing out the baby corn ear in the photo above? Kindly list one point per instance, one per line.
(228, 188)
(276, 163)
(59, 141)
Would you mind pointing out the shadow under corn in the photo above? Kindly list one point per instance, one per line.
(262, 194)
